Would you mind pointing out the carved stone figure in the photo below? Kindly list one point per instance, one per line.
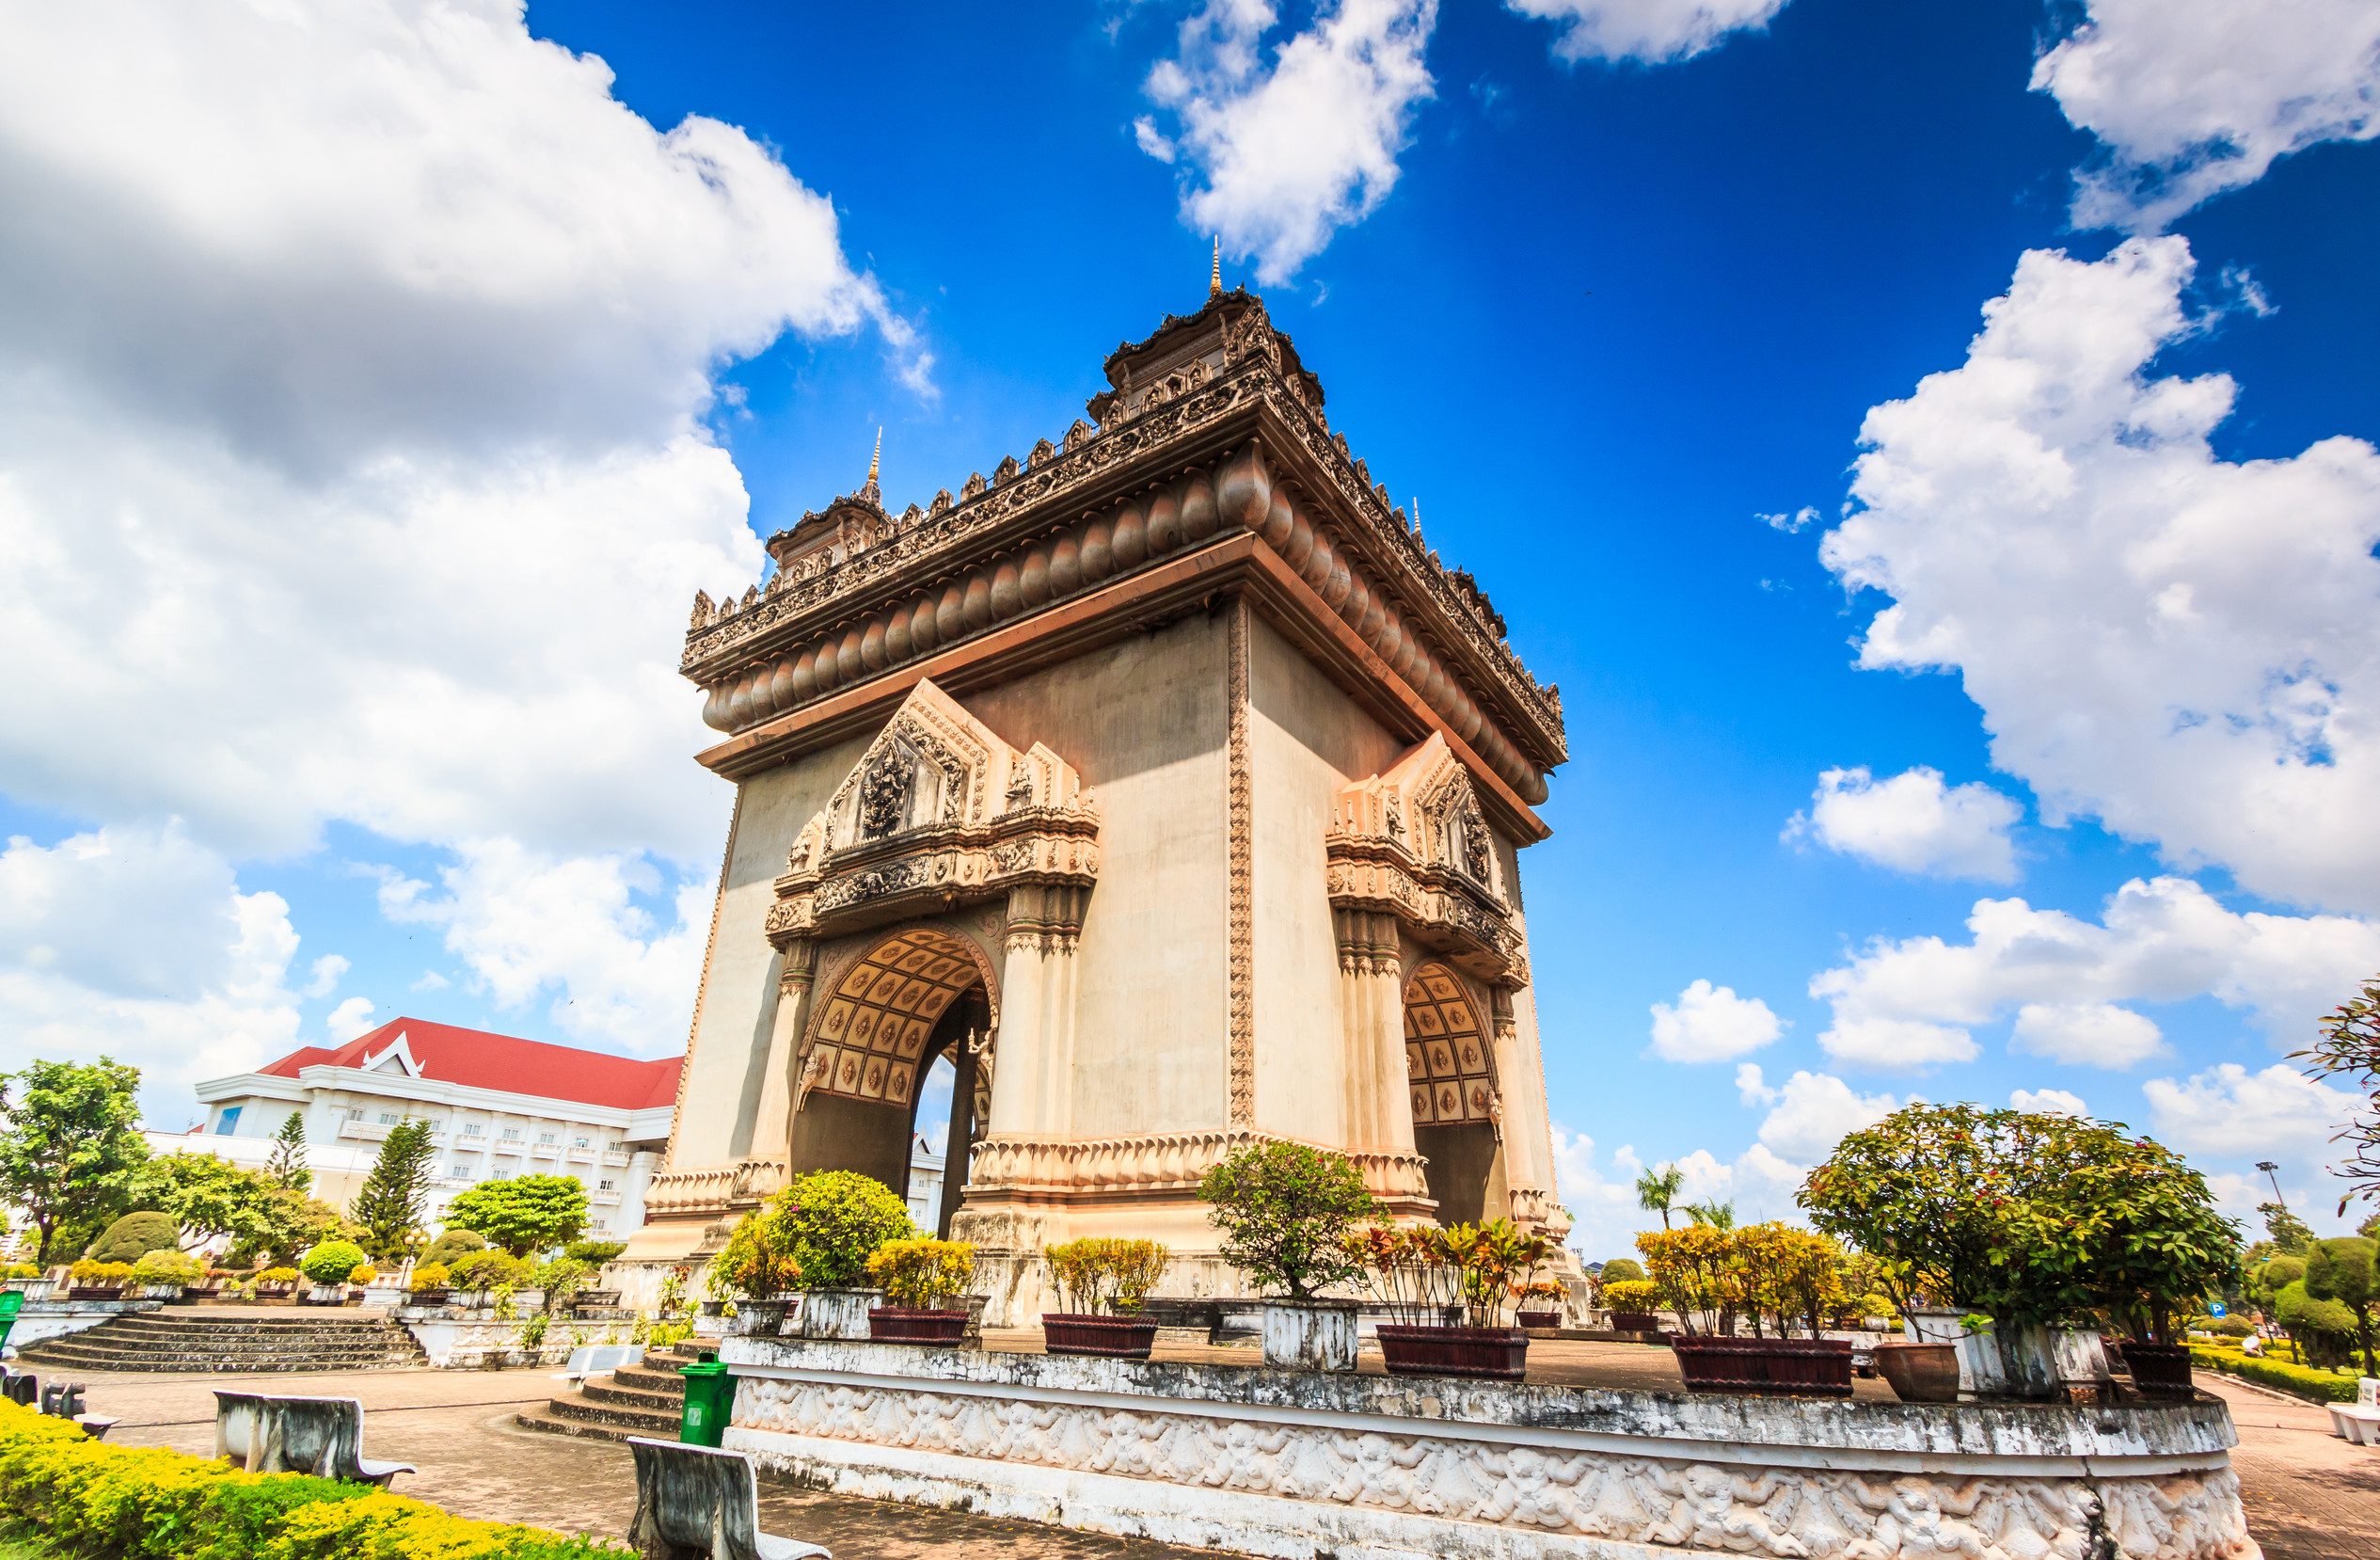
(884, 794)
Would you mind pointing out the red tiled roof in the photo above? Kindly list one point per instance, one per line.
(477, 1060)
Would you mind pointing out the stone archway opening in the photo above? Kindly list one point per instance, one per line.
(919, 995)
(1451, 1066)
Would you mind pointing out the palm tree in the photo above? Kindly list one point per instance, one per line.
(1656, 1189)
(1711, 1211)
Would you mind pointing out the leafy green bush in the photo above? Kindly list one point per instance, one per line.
(1621, 1270)
(2300, 1380)
(135, 1235)
(331, 1262)
(279, 1275)
(486, 1269)
(926, 1275)
(1285, 1210)
(525, 1214)
(832, 1221)
(125, 1503)
(169, 1267)
(452, 1244)
(430, 1275)
(1631, 1295)
(2229, 1327)
(594, 1253)
(1096, 1274)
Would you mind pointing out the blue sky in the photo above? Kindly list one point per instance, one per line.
(378, 393)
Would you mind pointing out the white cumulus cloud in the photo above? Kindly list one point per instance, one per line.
(1813, 1111)
(1906, 1004)
(1912, 822)
(2278, 1113)
(1282, 153)
(1711, 1025)
(351, 1018)
(2042, 1101)
(1649, 32)
(2180, 645)
(2191, 98)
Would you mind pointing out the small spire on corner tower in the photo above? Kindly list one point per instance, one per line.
(875, 457)
(1215, 277)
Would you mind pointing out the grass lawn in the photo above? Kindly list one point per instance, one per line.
(25, 1549)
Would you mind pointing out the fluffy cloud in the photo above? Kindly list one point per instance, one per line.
(2178, 644)
(526, 924)
(2279, 1113)
(1813, 1111)
(1281, 155)
(1708, 1024)
(1900, 1005)
(1648, 32)
(2049, 1101)
(2087, 1034)
(1603, 1212)
(2195, 97)
(137, 943)
(351, 1018)
(1914, 824)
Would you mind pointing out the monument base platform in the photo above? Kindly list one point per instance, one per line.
(1301, 1465)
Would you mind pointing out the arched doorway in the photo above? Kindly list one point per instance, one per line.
(916, 997)
(1451, 1065)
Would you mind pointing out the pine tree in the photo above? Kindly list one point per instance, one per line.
(288, 1165)
(396, 1194)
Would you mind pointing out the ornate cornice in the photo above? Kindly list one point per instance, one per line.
(1410, 842)
(925, 579)
(1069, 1168)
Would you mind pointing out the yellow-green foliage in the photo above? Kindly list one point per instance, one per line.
(279, 1275)
(363, 1272)
(2321, 1386)
(126, 1503)
(1632, 1295)
(92, 1272)
(429, 1276)
(1095, 1275)
(925, 1275)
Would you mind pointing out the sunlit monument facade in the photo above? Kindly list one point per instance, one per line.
(1167, 784)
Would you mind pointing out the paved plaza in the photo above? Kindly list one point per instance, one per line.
(2309, 1496)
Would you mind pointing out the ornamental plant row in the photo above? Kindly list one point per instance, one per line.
(2297, 1380)
(127, 1503)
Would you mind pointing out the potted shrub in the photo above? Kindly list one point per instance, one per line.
(1633, 1303)
(758, 1272)
(277, 1284)
(1101, 1283)
(830, 1223)
(359, 1277)
(1777, 1276)
(89, 1280)
(474, 1276)
(1285, 1211)
(326, 1267)
(25, 1276)
(921, 1279)
(1425, 1275)
(1548, 1296)
(162, 1275)
(429, 1284)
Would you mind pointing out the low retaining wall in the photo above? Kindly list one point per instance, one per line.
(55, 1319)
(458, 1342)
(1302, 1466)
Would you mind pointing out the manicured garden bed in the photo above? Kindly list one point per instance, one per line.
(2315, 1386)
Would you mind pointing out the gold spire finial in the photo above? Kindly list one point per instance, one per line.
(1215, 277)
(877, 455)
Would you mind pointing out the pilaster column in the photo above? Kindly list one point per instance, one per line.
(1371, 1008)
(1032, 1087)
(772, 1128)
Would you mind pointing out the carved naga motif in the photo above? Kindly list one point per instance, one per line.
(1411, 842)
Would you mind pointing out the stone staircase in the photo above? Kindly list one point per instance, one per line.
(230, 1345)
(645, 1400)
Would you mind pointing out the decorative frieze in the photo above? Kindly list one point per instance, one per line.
(1062, 1169)
(1240, 822)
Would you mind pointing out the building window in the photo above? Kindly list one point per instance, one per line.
(500, 1175)
(616, 1148)
(228, 1122)
(472, 1130)
(388, 1120)
(355, 1113)
(578, 1142)
(546, 1138)
(512, 1135)
(605, 1187)
(461, 1173)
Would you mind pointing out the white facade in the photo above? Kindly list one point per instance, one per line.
(924, 1183)
(482, 1134)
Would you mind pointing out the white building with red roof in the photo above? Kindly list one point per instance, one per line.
(499, 1107)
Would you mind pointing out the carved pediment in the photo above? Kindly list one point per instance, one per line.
(940, 810)
(1413, 841)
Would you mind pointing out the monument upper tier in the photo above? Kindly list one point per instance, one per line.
(1210, 469)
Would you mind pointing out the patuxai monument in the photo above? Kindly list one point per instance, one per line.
(1167, 784)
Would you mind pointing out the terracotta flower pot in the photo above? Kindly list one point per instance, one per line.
(96, 1292)
(1481, 1353)
(427, 1297)
(1538, 1319)
(2159, 1370)
(1102, 1337)
(1801, 1367)
(1635, 1321)
(1920, 1373)
(889, 1324)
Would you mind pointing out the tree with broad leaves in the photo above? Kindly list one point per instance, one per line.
(288, 1165)
(1284, 1210)
(2349, 1048)
(70, 1136)
(206, 1195)
(528, 1213)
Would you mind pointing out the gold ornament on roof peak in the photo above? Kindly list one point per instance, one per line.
(877, 455)
(1215, 277)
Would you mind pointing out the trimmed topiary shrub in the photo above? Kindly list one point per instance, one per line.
(594, 1253)
(135, 1235)
(1621, 1270)
(169, 1267)
(833, 1222)
(331, 1262)
(452, 1244)
(484, 1269)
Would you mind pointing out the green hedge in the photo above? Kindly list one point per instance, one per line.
(2321, 1386)
(129, 1503)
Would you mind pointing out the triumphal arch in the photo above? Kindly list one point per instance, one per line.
(1168, 786)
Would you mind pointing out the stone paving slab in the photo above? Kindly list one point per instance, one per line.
(2310, 1495)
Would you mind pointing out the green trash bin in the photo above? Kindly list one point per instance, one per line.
(11, 1301)
(710, 1398)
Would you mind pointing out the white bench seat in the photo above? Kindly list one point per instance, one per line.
(600, 1360)
(2355, 1423)
(696, 1500)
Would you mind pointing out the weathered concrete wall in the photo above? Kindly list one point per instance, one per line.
(1143, 722)
(1304, 1464)
(1305, 740)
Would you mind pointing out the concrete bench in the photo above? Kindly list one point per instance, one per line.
(2355, 1423)
(64, 1400)
(693, 1501)
(322, 1436)
(600, 1360)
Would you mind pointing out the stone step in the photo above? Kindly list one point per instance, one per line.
(641, 1422)
(232, 1346)
(613, 1395)
(589, 1429)
(664, 1381)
